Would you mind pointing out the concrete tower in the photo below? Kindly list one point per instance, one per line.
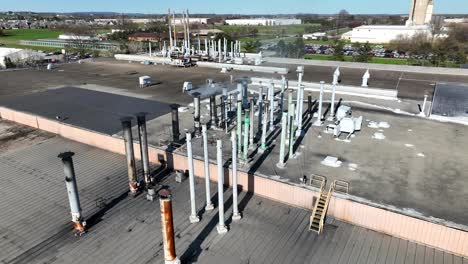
(421, 12)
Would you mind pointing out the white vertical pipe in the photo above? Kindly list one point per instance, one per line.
(188, 30)
(301, 107)
(220, 55)
(235, 210)
(193, 215)
(319, 114)
(209, 205)
(284, 121)
(219, 151)
(271, 92)
(264, 128)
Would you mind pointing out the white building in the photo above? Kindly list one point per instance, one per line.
(76, 37)
(314, 36)
(193, 20)
(264, 22)
(383, 34)
(18, 56)
(418, 22)
(455, 20)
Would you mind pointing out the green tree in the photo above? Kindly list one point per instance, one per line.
(251, 46)
(156, 27)
(363, 51)
(281, 49)
(338, 51)
(299, 48)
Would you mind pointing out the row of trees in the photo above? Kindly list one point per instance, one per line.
(439, 51)
(292, 49)
(362, 51)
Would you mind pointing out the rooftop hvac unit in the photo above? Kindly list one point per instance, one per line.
(145, 81)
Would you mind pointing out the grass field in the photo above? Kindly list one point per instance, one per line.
(13, 37)
(350, 58)
(270, 30)
(322, 42)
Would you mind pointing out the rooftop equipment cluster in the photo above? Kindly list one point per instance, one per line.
(220, 50)
(237, 117)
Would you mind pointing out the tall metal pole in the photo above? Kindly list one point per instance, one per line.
(175, 122)
(219, 151)
(167, 223)
(193, 214)
(235, 210)
(209, 205)
(72, 190)
(196, 115)
(141, 120)
(130, 155)
(188, 30)
(170, 30)
(319, 114)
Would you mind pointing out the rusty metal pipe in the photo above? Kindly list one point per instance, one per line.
(175, 122)
(72, 190)
(141, 120)
(130, 155)
(167, 222)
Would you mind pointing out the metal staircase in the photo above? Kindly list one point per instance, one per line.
(317, 219)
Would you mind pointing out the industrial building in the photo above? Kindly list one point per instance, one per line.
(197, 152)
(377, 182)
(72, 43)
(419, 22)
(263, 21)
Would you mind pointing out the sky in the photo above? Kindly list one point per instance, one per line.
(232, 6)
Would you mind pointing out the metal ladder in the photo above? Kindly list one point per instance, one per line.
(317, 219)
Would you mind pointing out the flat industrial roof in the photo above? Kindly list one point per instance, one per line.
(36, 227)
(89, 109)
